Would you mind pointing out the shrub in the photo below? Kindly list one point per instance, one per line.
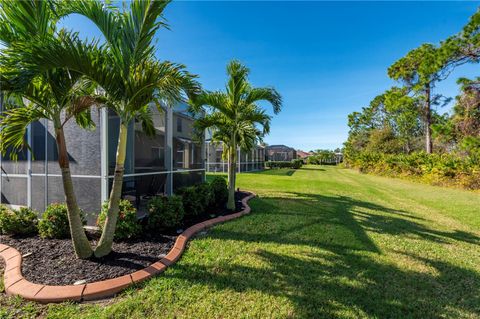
(192, 201)
(205, 196)
(295, 164)
(127, 222)
(438, 169)
(18, 222)
(219, 189)
(54, 222)
(164, 212)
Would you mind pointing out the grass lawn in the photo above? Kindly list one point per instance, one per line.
(321, 242)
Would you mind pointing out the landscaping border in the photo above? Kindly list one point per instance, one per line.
(16, 285)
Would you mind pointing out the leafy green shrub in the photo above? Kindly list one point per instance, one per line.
(164, 212)
(219, 189)
(437, 169)
(193, 203)
(54, 222)
(206, 196)
(127, 222)
(18, 222)
(295, 164)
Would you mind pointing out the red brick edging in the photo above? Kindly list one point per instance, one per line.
(15, 284)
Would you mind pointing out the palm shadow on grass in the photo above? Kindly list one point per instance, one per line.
(345, 272)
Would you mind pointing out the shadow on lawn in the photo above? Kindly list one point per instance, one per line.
(348, 274)
(276, 171)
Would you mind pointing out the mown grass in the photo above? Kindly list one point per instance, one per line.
(322, 242)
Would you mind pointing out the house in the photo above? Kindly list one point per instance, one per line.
(153, 165)
(246, 161)
(278, 153)
(303, 155)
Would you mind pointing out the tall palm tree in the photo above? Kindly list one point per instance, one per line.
(125, 68)
(57, 95)
(234, 117)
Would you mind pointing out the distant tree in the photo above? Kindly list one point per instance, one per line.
(461, 129)
(393, 118)
(420, 70)
(463, 47)
(404, 113)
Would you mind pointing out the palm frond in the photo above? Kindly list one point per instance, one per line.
(13, 126)
(265, 94)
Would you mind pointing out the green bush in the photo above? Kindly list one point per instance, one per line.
(164, 212)
(54, 222)
(18, 222)
(438, 169)
(206, 196)
(295, 164)
(219, 189)
(127, 222)
(192, 201)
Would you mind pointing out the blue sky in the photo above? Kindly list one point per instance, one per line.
(327, 59)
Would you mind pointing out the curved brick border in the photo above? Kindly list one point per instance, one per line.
(15, 284)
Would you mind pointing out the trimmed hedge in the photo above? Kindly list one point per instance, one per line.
(295, 164)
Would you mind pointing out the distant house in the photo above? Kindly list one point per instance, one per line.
(301, 154)
(278, 153)
(246, 161)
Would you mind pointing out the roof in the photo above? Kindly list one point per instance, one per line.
(280, 146)
(303, 154)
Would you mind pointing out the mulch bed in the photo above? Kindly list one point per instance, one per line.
(53, 262)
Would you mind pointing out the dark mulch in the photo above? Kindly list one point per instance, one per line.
(53, 262)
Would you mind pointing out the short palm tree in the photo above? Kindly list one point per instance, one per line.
(57, 95)
(129, 74)
(234, 117)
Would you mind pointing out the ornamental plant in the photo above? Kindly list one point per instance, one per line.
(127, 224)
(18, 222)
(54, 222)
(193, 205)
(219, 189)
(164, 213)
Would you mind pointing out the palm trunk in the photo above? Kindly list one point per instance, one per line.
(80, 241)
(428, 121)
(104, 246)
(231, 177)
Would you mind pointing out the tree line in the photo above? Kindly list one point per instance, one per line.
(405, 121)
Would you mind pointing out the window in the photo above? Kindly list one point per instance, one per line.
(179, 124)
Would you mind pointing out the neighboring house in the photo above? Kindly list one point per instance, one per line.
(303, 155)
(153, 165)
(246, 161)
(279, 153)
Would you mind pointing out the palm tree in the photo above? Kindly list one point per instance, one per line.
(123, 66)
(235, 117)
(127, 71)
(57, 95)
